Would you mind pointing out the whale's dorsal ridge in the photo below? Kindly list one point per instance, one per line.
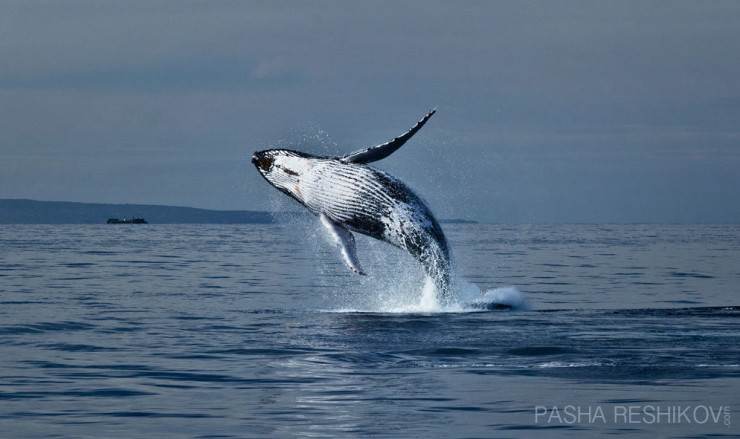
(378, 152)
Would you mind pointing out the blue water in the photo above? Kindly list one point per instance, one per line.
(260, 331)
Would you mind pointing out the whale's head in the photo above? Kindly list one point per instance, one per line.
(283, 168)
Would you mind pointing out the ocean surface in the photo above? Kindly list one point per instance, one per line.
(259, 331)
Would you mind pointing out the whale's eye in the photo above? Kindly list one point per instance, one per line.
(264, 162)
(290, 171)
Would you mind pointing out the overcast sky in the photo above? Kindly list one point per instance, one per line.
(548, 111)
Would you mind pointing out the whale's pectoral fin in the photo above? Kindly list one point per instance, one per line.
(346, 242)
(383, 150)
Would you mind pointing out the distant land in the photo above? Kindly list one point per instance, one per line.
(64, 212)
(21, 211)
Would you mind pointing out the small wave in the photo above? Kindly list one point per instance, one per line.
(689, 274)
(44, 327)
(698, 311)
(537, 351)
(574, 364)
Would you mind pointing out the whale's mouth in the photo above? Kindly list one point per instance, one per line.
(262, 161)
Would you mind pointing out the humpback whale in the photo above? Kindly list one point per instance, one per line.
(349, 196)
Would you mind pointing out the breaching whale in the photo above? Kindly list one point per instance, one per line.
(349, 196)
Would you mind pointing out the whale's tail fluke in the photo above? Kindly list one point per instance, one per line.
(379, 152)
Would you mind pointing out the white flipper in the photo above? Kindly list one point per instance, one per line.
(345, 241)
(375, 153)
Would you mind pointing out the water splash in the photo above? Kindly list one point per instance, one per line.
(395, 281)
(401, 287)
(503, 297)
(467, 297)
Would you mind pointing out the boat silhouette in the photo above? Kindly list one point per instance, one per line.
(127, 221)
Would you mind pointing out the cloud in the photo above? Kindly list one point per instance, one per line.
(186, 76)
(526, 91)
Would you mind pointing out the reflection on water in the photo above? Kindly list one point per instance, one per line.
(260, 331)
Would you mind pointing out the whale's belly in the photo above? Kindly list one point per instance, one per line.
(371, 202)
(363, 199)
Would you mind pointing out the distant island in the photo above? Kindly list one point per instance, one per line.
(22, 211)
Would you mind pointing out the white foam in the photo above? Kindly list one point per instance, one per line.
(405, 298)
(472, 296)
(427, 302)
